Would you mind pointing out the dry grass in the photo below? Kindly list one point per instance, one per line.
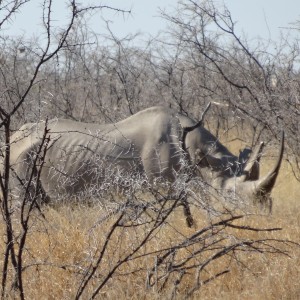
(60, 246)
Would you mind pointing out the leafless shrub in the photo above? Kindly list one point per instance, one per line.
(71, 75)
(19, 79)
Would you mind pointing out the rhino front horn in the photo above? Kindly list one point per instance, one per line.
(265, 185)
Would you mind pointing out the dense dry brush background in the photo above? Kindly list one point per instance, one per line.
(73, 73)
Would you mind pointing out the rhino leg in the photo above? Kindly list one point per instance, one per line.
(188, 215)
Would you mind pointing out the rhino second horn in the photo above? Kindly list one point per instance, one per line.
(251, 170)
(266, 184)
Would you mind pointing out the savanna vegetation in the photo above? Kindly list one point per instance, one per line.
(131, 240)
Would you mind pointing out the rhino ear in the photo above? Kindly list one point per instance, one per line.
(251, 169)
(199, 123)
(186, 130)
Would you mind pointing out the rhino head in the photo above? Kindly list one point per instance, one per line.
(237, 176)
